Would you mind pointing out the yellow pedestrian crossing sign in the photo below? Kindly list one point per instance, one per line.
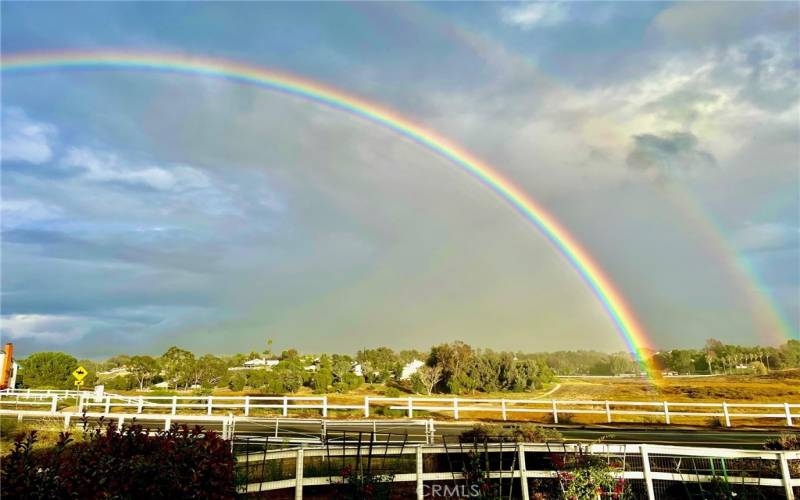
(80, 373)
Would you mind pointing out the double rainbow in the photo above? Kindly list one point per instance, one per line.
(612, 301)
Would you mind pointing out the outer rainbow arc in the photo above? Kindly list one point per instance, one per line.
(623, 318)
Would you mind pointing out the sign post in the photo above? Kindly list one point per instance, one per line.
(79, 374)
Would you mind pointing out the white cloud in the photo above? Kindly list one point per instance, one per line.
(18, 212)
(530, 15)
(108, 167)
(716, 22)
(43, 327)
(26, 140)
(768, 236)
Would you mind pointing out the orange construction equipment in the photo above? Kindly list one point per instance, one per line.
(7, 366)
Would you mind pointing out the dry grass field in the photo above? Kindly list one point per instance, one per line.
(777, 387)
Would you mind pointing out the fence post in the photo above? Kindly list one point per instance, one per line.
(167, 423)
(298, 475)
(726, 414)
(648, 479)
(666, 412)
(608, 412)
(324, 407)
(788, 414)
(246, 406)
(420, 462)
(410, 407)
(786, 476)
(119, 424)
(66, 422)
(523, 472)
(174, 404)
(503, 408)
(555, 412)
(366, 406)
(54, 404)
(80, 404)
(286, 407)
(108, 405)
(140, 405)
(455, 408)
(210, 404)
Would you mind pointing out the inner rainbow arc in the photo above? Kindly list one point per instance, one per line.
(611, 299)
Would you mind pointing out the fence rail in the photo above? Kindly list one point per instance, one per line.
(493, 409)
(645, 464)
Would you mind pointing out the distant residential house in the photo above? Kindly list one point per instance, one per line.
(357, 369)
(162, 385)
(411, 368)
(118, 371)
(256, 364)
(261, 362)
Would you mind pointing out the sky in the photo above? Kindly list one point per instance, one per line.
(147, 209)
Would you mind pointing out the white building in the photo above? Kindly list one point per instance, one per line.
(256, 364)
(118, 371)
(261, 362)
(357, 369)
(411, 368)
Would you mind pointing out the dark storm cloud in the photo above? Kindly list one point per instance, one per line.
(671, 154)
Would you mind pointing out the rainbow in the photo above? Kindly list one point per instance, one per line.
(611, 299)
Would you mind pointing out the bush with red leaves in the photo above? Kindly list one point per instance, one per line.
(127, 464)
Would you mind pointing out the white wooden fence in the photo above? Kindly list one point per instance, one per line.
(651, 456)
(252, 429)
(492, 409)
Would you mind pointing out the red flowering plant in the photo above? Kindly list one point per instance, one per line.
(128, 463)
(360, 484)
(589, 476)
(475, 474)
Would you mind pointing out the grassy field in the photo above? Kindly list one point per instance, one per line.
(778, 387)
(47, 431)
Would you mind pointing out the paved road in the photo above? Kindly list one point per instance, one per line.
(416, 433)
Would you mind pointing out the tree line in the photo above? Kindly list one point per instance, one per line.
(452, 368)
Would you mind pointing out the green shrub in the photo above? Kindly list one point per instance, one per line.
(121, 383)
(590, 477)
(529, 433)
(237, 382)
(391, 392)
(525, 433)
(321, 381)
